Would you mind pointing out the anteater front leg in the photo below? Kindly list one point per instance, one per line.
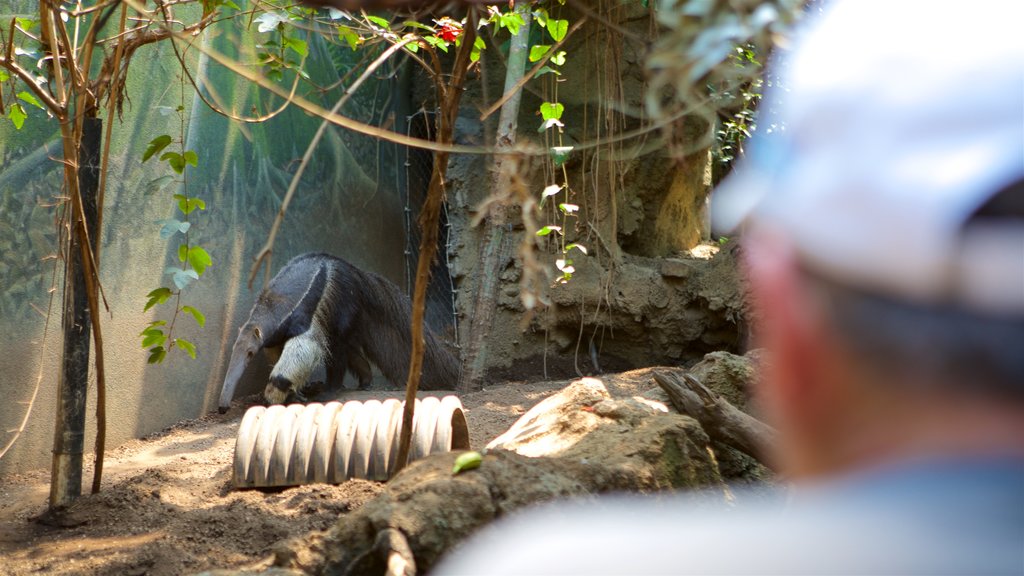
(299, 357)
(348, 359)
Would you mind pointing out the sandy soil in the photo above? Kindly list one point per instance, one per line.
(167, 508)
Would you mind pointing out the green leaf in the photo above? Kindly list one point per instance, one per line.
(191, 158)
(557, 29)
(199, 259)
(298, 46)
(153, 324)
(538, 51)
(415, 24)
(153, 337)
(379, 22)
(541, 16)
(156, 355)
(157, 184)
(548, 230)
(467, 461)
(182, 252)
(17, 115)
(177, 161)
(169, 227)
(568, 208)
(547, 70)
(413, 47)
(181, 278)
(559, 154)
(27, 23)
(478, 46)
(579, 247)
(200, 318)
(558, 59)
(188, 347)
(230, 4)
(549, 110)
(4, 76)
(24, 96)
(511, 22)
(155, 146)
(158, 296)
(188, 205)
(437, 43)
(349, 36)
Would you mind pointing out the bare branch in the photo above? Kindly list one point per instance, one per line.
(30, 81)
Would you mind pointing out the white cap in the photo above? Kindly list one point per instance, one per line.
(894, 123)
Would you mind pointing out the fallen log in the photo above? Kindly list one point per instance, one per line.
(721, 420)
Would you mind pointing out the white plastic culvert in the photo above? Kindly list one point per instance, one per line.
(333, 442)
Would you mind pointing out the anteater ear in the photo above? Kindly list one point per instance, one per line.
(258, 333)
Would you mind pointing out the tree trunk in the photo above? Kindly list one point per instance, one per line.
(449, 95)
(69, 435)
(496, 249)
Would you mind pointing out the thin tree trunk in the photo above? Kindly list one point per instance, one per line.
(69, 435)
(496, 249)
(450, 97)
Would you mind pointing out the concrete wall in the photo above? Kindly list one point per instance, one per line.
(244, 171)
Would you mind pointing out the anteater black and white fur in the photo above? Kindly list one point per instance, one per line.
(322, 310)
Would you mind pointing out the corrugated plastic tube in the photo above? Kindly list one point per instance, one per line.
(330, 443)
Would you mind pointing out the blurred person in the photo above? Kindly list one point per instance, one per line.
(884, 240)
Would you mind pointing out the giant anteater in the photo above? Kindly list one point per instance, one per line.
(322, 310)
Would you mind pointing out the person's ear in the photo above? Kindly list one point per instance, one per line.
(794, 390)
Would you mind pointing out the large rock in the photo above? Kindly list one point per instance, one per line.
(575, 443)
(637, 443)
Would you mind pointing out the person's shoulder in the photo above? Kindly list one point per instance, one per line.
(948, 518)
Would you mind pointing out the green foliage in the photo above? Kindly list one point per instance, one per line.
(199, 317)
(538, 51)
(478, 46)
(159, 335)
(26, 97)
(17, 115)
(158, 296)
(349, 36)
(156, 145)
(549, 110)
(737, 123)
(552, 126)
(283, 50)
(187, 346)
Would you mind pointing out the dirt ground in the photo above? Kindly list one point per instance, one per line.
(167, 508)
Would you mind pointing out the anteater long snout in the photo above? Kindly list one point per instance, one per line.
(236, 368)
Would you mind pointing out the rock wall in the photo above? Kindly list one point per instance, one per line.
(642, 295)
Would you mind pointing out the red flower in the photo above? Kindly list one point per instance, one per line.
(450, 29)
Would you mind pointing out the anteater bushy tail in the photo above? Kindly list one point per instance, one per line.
(383, 330)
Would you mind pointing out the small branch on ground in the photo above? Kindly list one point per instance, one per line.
(720, 419)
